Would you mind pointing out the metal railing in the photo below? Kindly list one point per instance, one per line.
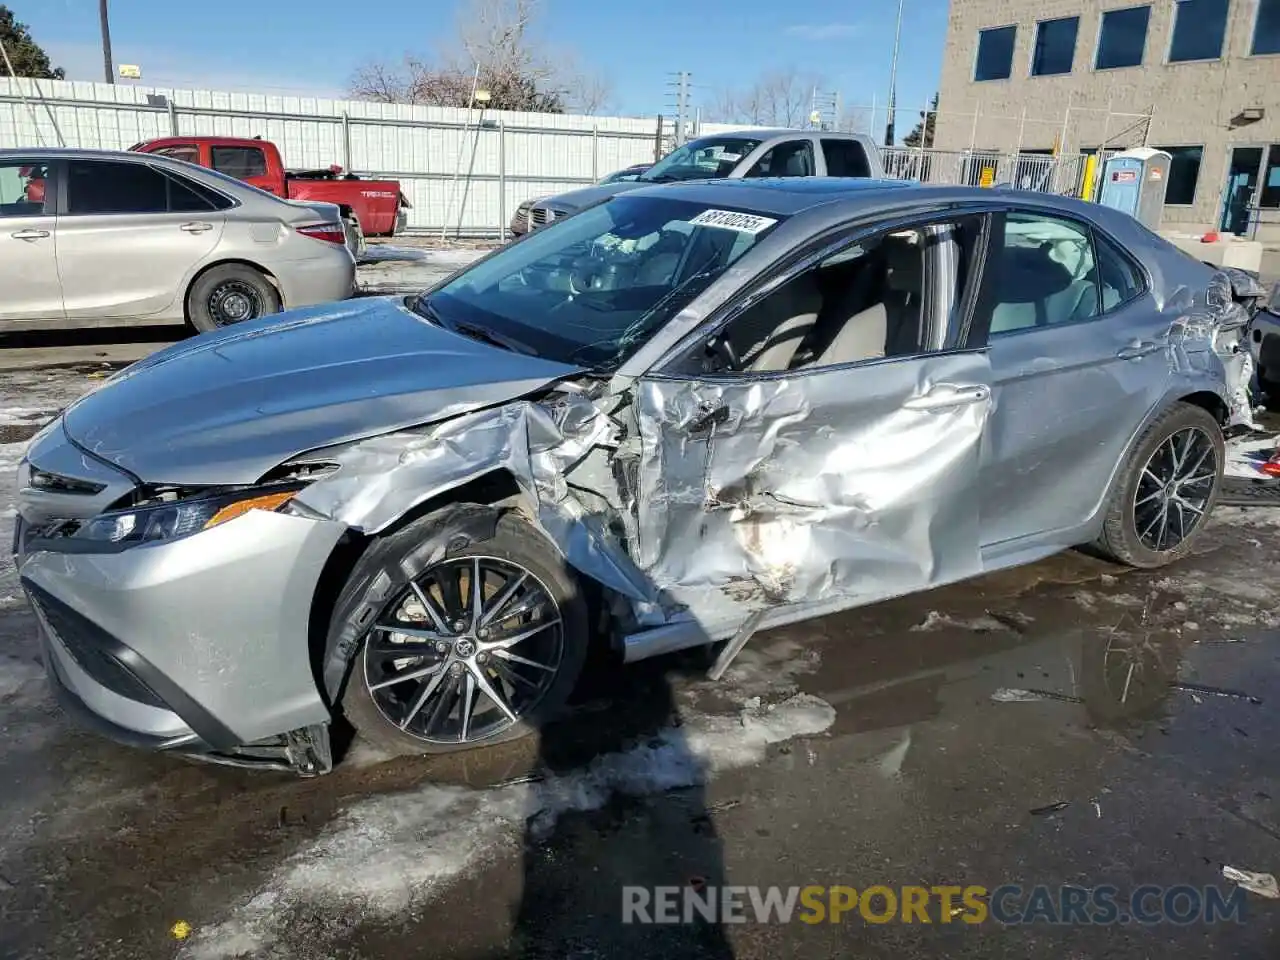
(983, 168)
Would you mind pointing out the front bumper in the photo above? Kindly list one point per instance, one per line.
(199, 645)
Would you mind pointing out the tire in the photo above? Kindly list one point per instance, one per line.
(387, 574)
(1270, 389)
(216, 298)
(1131, 532)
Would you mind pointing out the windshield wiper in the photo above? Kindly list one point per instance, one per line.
(488, 336)
(422, 306)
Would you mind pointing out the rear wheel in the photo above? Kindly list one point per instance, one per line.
(230, 294)
(1166, 490)
(477, 647)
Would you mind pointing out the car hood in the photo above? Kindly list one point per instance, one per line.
(226, 407)
(589, 196)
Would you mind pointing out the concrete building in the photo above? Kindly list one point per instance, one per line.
(1198, 78)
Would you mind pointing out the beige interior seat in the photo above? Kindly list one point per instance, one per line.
(779, 324)
(866, 334)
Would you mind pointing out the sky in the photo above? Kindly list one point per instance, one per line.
(315, 46)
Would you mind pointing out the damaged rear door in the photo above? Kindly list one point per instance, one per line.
(1079, 352)
(831, 456)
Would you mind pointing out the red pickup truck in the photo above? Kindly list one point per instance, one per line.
(377, 207)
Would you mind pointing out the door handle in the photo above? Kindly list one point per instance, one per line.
(29, 234)
(947, 395)
(1138, 349)
(196, 227)
(711, 416)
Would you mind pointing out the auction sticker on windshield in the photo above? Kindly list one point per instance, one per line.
(732, 220)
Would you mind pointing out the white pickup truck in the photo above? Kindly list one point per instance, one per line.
(733, 155)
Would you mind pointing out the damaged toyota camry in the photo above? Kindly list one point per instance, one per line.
(669, 421)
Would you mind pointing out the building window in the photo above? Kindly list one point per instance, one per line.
(1055, 46)
(1266, 29)
(1269, 195)
(1199, 28)
(995, 53)
(1123, 38)
(1184, 171)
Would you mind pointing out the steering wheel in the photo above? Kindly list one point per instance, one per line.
(580, 277)
(723, 350)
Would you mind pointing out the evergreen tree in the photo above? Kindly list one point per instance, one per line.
(924, 129)
(27, 56)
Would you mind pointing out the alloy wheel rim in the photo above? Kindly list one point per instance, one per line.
(465, 651)
(234, 301)
(1174, 489)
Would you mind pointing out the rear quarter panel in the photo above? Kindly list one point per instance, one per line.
(374, 202)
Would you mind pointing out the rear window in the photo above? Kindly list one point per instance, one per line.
(240, 162)
(845, 158)
(116, 187)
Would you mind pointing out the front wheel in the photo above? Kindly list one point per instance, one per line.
(230, 294)
(1166, 489)
(477, 647)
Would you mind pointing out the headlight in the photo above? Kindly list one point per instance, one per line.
(179, 518)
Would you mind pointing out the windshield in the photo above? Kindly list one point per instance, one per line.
(591, 289)
(705, 159)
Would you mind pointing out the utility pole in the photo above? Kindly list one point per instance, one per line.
(893, 80)
(107, 66)
(681, 82)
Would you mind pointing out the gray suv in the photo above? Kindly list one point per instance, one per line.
(733, 155)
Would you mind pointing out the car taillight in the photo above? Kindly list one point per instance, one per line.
(331, 232)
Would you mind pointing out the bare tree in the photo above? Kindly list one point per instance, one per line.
(586, 91)
(778, 98)
(385, 84)
(515, 65)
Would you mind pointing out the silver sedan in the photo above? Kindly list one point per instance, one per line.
(92, 238)
(684, 415)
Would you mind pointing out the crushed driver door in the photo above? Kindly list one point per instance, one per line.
(830, 487)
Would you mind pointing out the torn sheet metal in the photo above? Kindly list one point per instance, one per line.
(781, 491)
(538, 444)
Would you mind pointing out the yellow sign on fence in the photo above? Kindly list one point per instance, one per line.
(988, 177)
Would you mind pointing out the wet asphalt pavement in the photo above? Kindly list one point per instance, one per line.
(1070, 723)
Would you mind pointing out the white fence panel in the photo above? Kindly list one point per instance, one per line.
(464, 170)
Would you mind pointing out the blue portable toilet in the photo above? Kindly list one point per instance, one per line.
(1135, 181)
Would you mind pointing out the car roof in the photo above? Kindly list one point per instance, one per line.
(778, 195)
(770, 133)
(845, 197)
(211, 141)
(75, 153)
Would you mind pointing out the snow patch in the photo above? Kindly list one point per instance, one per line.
(771, 669)
(11, 455)
(1256, 516)
(386, 853)
(26, 416)
(941, 621)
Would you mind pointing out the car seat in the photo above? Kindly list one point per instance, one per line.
(892, 326)
(1037, 290)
